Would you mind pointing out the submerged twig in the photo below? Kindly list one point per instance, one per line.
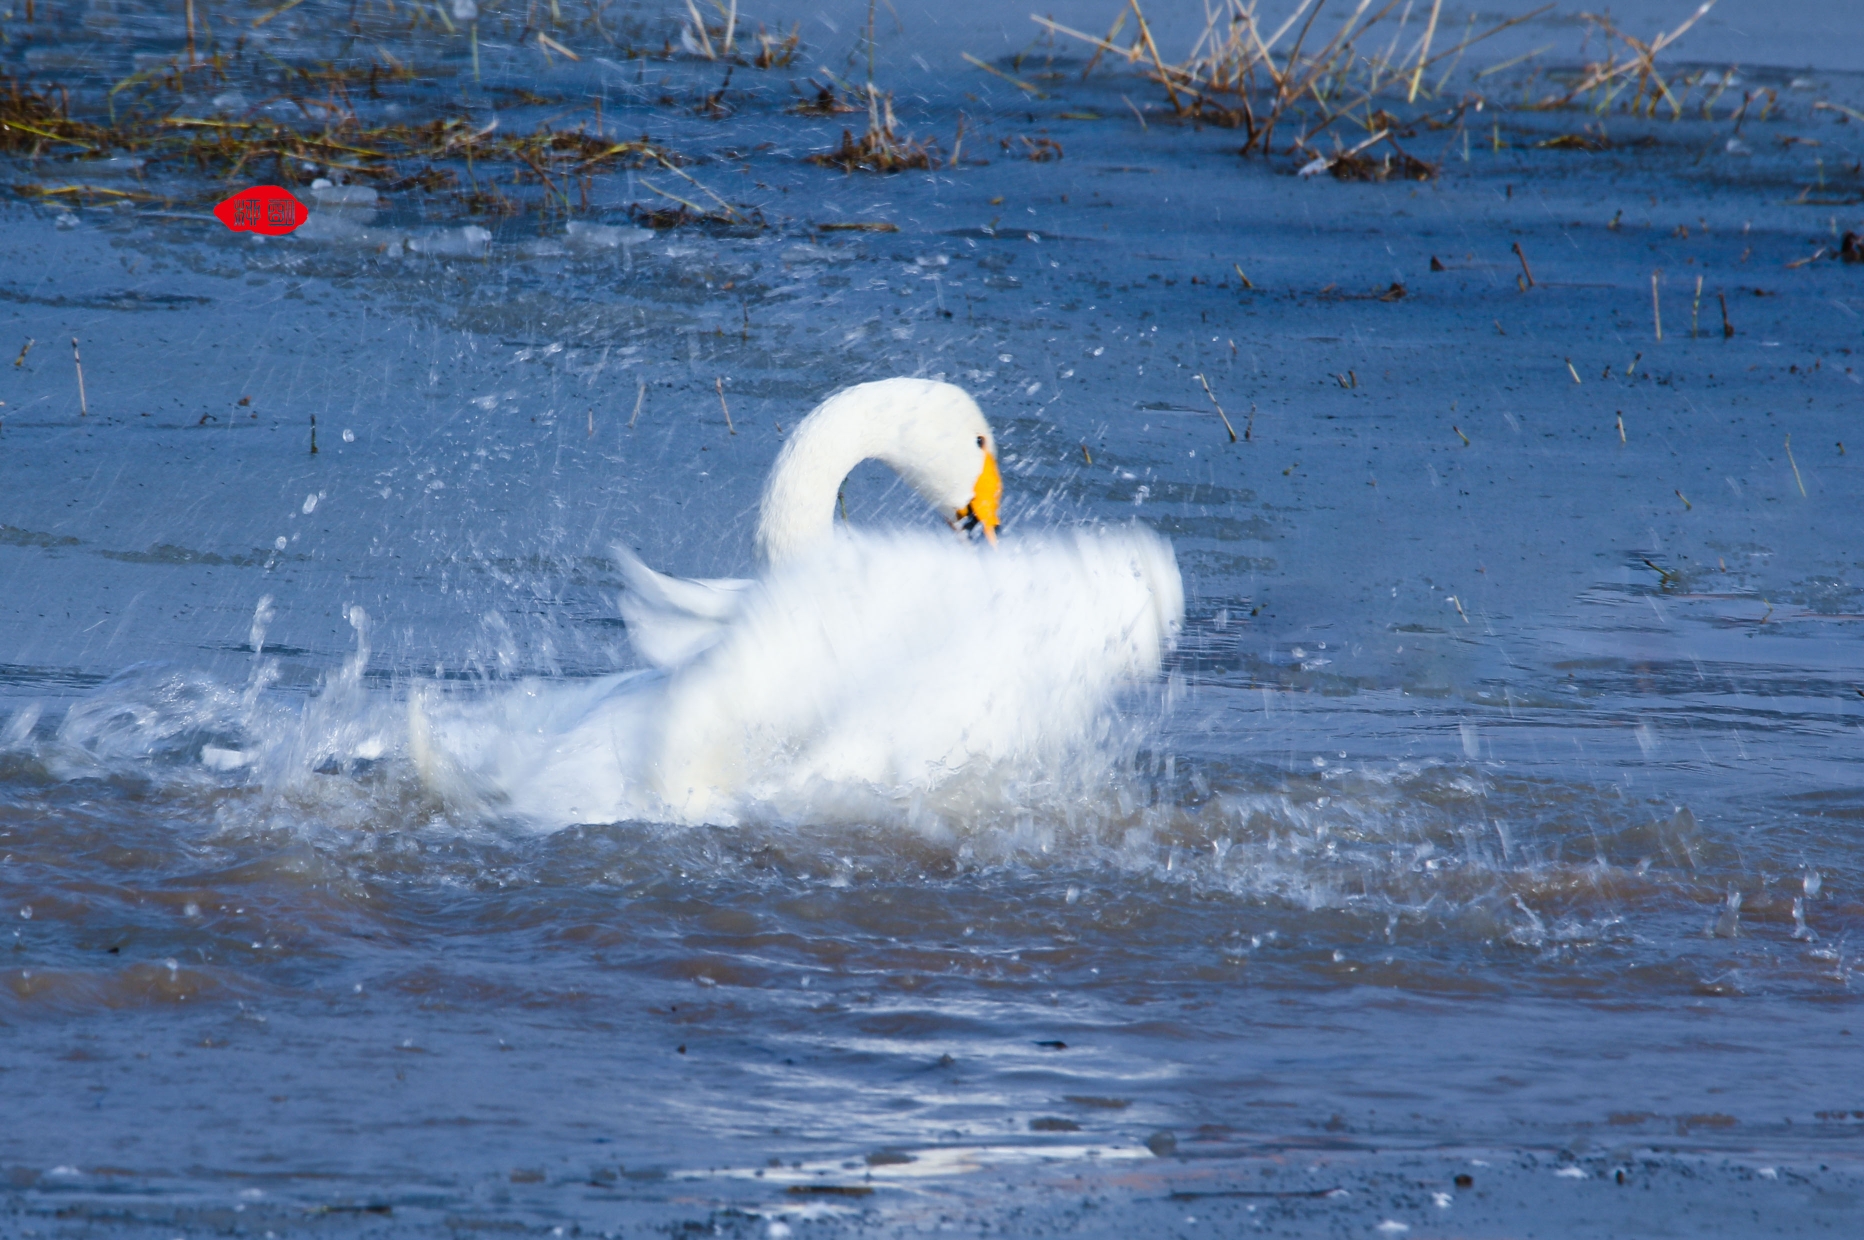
(1525, 269)
(1220, 412)
(1018, 83)
(722, 405)
(84, 407)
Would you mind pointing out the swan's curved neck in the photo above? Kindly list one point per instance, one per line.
(799, 499)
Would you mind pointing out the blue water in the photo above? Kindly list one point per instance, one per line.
(1501, 791)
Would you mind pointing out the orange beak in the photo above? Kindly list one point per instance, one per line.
(985, 496)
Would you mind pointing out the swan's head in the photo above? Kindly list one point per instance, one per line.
(944, 450)
(931, 434)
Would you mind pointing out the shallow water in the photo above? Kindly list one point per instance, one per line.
(1501, 791)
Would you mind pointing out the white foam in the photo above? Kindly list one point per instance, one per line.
(214, 758)
(469, 241)
(605, 236)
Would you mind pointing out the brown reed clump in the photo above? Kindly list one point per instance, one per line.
(1394, 165)
(1035, 150)
(1576, 142)
(480, 169)
(1293, 71)
(719, 40)
(713, 103)
(35, 124)
(1240, 74)
(1631, 63)
(880, 148)
(684, 214)
(775, 53)
(825, 102)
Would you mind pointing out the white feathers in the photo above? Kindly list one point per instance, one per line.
(859, 670)
(873, 668)
(672, 619)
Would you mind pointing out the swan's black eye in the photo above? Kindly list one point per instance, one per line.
(980, 441)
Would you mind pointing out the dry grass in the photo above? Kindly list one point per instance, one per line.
(1381, 67)
(825, 102)
(718, 40)
(468, 168)
(1035, 150)
(1256, 74)
(880, 148)
(1631, 63)
(332, 118)
(1393, 165)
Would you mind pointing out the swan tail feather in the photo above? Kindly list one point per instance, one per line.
(672, 619)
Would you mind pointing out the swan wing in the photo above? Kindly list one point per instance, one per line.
(672, 619)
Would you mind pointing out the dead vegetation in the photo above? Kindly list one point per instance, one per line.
(461, 166)
(879, 148)
(1300, 79)
(1575, 142)
(825, 102)
(1264, 76)
(1035, 150)
(1630, 63)
(1393, 165)
(293, 120)
(718, 39)
(1355, 88)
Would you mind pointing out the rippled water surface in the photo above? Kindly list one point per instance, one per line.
(1502, 789)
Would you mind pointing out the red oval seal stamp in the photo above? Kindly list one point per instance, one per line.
(265, 209)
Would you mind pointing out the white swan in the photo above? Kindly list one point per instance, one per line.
(857, 669)
(931, 434)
